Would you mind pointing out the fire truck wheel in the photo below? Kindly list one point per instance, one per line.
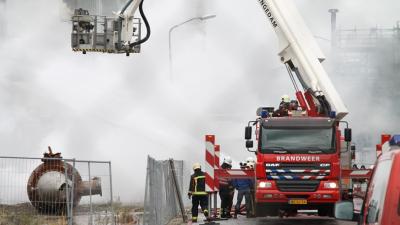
(260, 211)
(273, 212)
(263, 210)
(326, 210)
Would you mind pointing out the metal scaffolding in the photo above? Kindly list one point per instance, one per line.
(371, 54)
(368, 62)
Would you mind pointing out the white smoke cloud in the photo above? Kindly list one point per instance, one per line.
(112, 107)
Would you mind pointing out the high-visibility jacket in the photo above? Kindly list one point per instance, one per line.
(198, 183)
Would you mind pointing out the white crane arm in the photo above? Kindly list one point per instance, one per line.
(127, 16)
(298, 48)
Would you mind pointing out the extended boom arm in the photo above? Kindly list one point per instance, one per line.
(301, 54)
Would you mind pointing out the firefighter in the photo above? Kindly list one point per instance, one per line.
(294, 105)
(197, 192)
(244, 187)
(250, 164)
(283, 107)
(226, 190)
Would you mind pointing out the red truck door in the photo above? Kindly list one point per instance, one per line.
(391, 209)
(377, 193)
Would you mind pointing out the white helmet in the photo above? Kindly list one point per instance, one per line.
(228, 160)
(196, 166)
(250, 160)
(285, 98)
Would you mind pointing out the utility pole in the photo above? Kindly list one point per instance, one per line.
(333, 26)
(199, 18)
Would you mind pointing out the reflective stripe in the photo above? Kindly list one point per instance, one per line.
(194, 218)
(199, 177)
(195, 185)
(199, 193)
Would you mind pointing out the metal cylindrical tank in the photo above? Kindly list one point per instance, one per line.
(54, 183)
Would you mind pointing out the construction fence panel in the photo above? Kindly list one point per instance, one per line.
(55, 191)
(161, 203)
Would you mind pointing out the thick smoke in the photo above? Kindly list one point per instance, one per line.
(111, 107)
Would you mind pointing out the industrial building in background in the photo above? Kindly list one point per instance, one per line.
(367, 60)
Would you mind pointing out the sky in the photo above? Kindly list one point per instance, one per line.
(121, 109)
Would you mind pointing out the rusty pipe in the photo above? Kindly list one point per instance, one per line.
(92, 187)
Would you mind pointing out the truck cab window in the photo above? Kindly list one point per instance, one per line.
(298, 140)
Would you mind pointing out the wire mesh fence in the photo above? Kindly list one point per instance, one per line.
(53, 191)
(164, 189)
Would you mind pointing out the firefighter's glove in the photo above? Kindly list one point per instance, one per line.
(189, 195)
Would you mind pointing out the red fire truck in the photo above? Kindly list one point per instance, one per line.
(300, 147)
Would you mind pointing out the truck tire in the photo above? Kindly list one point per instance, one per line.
(260, 210)
(273, 211)
(263, 210)
(326, 210)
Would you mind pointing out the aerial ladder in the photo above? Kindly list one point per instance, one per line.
(118, 34)
(302, 57)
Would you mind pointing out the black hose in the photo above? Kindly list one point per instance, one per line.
(146, 23)
(326, 107)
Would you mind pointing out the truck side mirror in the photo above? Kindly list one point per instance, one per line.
(247, 133)
(347, 135)
(249, 144)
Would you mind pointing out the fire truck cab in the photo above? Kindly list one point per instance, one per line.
(298, 163)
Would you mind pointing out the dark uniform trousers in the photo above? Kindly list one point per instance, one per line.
(226, 203)
(197, 200)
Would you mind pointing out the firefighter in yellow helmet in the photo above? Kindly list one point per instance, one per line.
(197, 192)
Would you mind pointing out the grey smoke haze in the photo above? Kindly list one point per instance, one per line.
(111, 107)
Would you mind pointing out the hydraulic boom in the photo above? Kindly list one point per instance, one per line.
(300, 53)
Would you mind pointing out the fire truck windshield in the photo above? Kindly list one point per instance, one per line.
(309, 140)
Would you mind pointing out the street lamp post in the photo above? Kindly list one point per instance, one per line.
(200, 18)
